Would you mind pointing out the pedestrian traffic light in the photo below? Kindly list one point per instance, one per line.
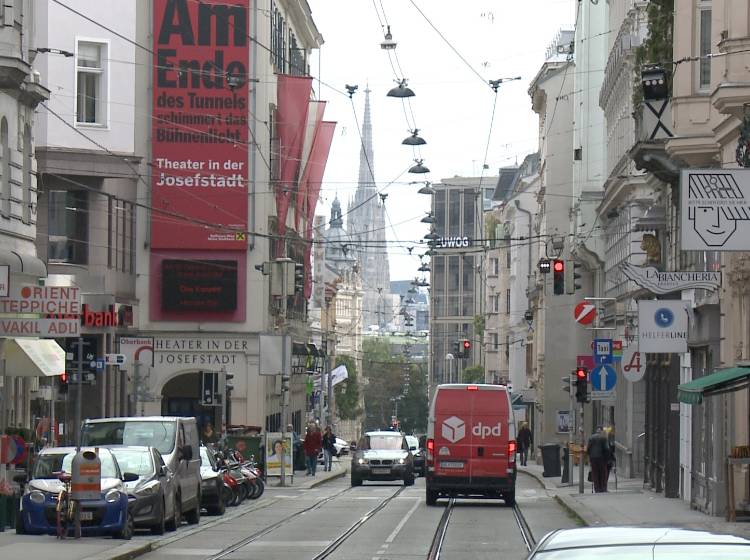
(62, 385)
(571, 277)
(558, 277)
(582, 385)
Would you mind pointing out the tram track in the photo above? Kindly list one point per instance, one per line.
(438, 540)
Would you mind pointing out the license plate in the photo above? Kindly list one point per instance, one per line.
(452, 464)
(381, 470)
(87, 515)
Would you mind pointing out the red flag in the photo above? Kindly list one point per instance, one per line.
(293, 96)
(314, 117)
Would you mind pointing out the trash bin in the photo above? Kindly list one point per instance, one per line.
(551, 459)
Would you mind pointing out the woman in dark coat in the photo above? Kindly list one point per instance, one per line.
(312, 445)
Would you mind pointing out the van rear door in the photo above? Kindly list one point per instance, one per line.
(452, 435)
(490, 433)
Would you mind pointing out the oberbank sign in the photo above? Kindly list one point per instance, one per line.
(454, 242)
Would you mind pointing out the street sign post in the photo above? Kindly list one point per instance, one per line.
(603, 350)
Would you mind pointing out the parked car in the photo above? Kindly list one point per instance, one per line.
(212, 483)
(342, 448)
(652, 543)
(418, 453)
(107, 515)
(175, 437)
(382, 455)
(152, 496)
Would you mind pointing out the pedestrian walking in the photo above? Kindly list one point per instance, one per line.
(525, 439)
(329, 448)
(598, 452)
(312, 446)
(609, 433)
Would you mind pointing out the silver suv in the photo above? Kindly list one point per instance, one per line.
(382, 455)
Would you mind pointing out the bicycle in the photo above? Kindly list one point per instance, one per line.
(67, 511)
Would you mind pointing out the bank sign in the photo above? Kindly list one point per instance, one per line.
(200, 128)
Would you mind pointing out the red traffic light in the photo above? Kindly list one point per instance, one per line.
(467, 344)
(581, 373)
(64, 377)
(558, 265)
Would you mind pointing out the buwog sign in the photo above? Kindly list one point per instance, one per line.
(200, 130)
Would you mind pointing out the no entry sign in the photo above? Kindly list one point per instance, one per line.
(584, 313)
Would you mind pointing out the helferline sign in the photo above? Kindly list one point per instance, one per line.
(715, 209)
(662, 326)
(659, 282)
(200, 124)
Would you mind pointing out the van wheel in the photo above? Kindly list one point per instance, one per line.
(510, 499)
(431, 497)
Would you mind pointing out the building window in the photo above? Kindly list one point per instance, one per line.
(68, 227)
(5, 169)
(28, 154)
(704, 44)
(495, 303)
(494, 267)
(508, 252)
(91, 94)
(454, 212)
(495, 341)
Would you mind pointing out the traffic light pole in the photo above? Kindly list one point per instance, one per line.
(79, 395)
(583, 447)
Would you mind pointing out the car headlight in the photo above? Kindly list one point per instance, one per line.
(112, 496)
(401, 461)
(362, 461)
(37, 496)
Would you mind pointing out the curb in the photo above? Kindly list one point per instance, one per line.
(324, 480)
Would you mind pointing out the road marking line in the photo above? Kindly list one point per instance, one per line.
(403, 521)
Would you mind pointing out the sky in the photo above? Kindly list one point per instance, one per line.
(448, 53)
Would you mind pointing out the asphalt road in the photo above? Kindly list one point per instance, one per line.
(294, 523)
(402, 529)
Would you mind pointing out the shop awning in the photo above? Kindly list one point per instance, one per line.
(722, 381)
(29, 357)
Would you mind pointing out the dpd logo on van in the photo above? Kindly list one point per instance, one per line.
(482, 431)
(454, 429)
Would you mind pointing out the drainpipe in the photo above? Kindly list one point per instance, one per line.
(528, 214)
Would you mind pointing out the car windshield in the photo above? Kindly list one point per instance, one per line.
(134, 461)
(152, 433)
(47, 464)
(384, 442)
(206, 458)
(109, 469)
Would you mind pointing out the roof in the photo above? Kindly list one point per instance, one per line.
(138, 419)
(613, 536)
(722, 381)
(383, 433)
(505, 183)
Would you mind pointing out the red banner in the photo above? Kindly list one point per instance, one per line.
(200, 127)
(312, 181)
(293, 98)
(314, 117)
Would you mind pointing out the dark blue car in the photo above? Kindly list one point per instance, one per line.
(106, 516)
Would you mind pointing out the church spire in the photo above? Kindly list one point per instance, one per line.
(366, 162)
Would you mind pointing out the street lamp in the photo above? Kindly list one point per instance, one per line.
(449, 357)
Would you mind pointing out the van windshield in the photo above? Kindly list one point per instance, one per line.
(147, 433)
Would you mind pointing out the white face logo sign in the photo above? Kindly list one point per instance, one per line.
(454, 429)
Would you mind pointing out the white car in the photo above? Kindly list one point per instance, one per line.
(342, 448)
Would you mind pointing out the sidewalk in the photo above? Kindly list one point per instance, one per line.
(630, 504)
(42, 547)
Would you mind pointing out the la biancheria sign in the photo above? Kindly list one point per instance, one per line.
(660, 282)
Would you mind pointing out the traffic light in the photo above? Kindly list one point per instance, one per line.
(299, 278)
(582, 385)
(456, 349)
(62, 386)
(571, 276)
(558, 277)
(465, 348)
(567, 383)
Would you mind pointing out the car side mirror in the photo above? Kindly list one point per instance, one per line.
(187, 452)
(163, 470)
(129, 477)
(20, 478)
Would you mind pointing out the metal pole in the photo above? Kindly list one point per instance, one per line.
(329, 410)
(571, 430)
(284, 395)
(79, 395)
(583, 443)
(52, 422)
